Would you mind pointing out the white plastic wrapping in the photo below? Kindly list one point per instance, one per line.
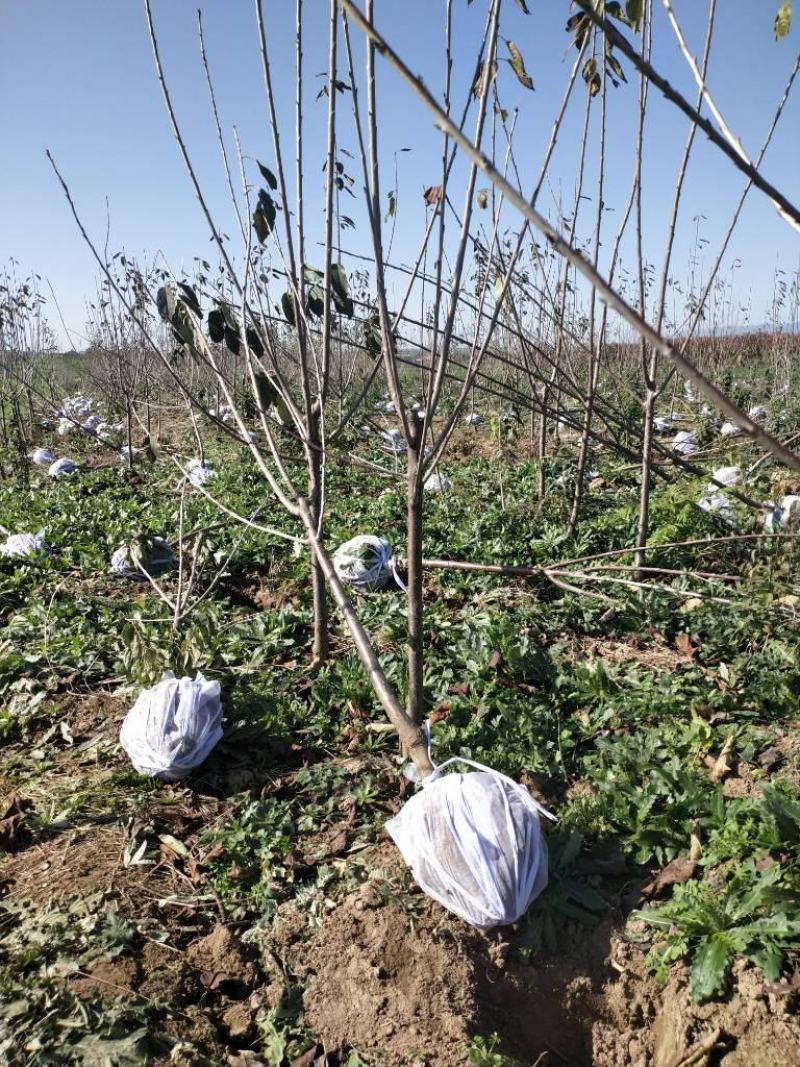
(62, 467)
(473, 419)
(393, 440)
(172, 727)
(474, 843)
(129, 560)
(729, 429)
(715, 499)
(685, 443)
(366, 563)
(567, 478)
(199, 472)
(42, 457)
(24, 546)
(785, 515)
(437, 483)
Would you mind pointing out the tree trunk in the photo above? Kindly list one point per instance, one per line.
(415, 652)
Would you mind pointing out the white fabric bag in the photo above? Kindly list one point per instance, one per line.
(199, 472)
(437, 483)
(172, 727)
(24, 546)
(785, 515)
(131, 560)
(366, 563)
(394, 441)
(729, 429)
(474, 843)
(62, 467)
(685, 443)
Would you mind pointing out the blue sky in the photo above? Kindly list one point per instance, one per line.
(77, 77)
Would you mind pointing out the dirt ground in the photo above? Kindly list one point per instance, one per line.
(414, 986)
(384, 970)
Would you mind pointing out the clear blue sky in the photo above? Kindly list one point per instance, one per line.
(77, 77)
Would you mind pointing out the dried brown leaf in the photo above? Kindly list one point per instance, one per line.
(677, 872)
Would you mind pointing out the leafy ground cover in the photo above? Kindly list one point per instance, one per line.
(257, 912)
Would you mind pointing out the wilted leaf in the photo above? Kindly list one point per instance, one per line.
(173, 844)
(617, 73)
(722, 767)
(518, 65)
(432, 195)
(770, 759)
(675, 873)
(130, 1051)
(591, 76)
(634, 9)
(692, 604)
(482, 198)
(523, 7)
(264, 216)
(684, 645)
(12, 818)
(392, 206)
(483, 79)
(311, 1058)
(315, 301)
(268, 176)
(783, 20)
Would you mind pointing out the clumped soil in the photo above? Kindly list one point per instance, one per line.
(415, 985)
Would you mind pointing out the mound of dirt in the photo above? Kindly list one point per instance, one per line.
(403, 982)
(410, 983)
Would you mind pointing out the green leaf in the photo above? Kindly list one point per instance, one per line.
(518, 65)
(216, 326)
(254, 342)
(287, 306)
(165, 302)
(315, 301)
(267, 393)
(184, 324)
(268, 176)
(709, 970)
(232, 339)
(190, 296)
(340, 290)
(770, 959)
(372, 335)
(783, 20)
